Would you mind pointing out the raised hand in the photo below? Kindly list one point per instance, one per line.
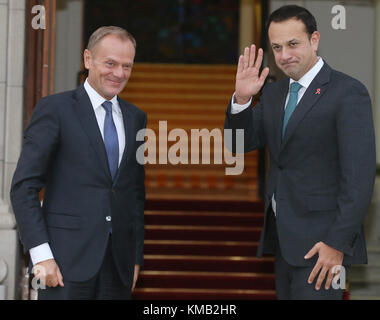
(248, 80)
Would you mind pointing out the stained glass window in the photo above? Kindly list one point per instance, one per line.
(172, 31)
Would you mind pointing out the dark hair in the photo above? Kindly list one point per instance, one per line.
(294, 12)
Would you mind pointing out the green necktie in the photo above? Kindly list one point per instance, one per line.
(292, 103)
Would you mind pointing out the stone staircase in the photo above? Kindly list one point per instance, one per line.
(192, 254)
(188, 97)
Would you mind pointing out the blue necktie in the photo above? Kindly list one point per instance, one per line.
(111, 140)
(291, 105)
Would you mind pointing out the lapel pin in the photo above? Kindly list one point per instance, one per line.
(318, 91)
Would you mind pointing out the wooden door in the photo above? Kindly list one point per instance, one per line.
(39, 58)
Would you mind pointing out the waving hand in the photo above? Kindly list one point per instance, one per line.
(248, 80)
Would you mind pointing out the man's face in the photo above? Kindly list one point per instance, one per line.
(109, 65)
(295, 53)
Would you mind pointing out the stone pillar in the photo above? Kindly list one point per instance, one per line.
(68, 44)
(376, 80)
(372, 223)
(246, 24)
(12, 51)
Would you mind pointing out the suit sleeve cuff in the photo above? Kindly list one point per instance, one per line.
(41, 253)
(236, 108)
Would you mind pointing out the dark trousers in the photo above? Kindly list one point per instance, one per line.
(291, 281)
(105, 285)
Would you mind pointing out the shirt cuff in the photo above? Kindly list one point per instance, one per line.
(236, 108)
(41, 253)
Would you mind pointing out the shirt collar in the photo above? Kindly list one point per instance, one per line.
(309, 76)
(97, 100)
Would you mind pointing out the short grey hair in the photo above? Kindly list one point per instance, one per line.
(101, 32)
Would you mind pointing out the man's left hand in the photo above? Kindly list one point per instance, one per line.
(136, 275)
(327, 260)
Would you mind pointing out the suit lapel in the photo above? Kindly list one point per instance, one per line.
(313, 93)
(129, 129)
(87, 117)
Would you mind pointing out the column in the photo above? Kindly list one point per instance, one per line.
(376, 80)
(12, 30)
(372, 223)
(246, 26)
(68, 44)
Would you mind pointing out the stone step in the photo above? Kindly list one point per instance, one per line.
(203, 233)
(174, 68)
(359, 297)
(202, 218)
(373, 255)
(205, 173)
(206, 280)
(208, 263)
(199, 116)
(170, 88)
(368, 272)
(201, 294)
(364, 280)
(360, 290)
(186, 193)
(167, 107)
(203, 248)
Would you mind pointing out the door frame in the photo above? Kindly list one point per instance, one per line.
(39, 56)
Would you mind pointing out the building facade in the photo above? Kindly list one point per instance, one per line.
(352, 49)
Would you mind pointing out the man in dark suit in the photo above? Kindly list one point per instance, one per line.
(80, 145)
(317, 126)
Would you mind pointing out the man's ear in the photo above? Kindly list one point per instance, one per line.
(315, 40)
(87, 58)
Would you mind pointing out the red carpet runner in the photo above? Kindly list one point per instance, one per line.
(204, 250)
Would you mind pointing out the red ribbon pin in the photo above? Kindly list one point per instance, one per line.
(318, 91)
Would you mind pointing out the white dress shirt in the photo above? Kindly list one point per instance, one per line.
(100, 113)
(43, 251)
(305, 81)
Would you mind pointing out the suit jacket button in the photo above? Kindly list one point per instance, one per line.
(280, 167)
(108, 218)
